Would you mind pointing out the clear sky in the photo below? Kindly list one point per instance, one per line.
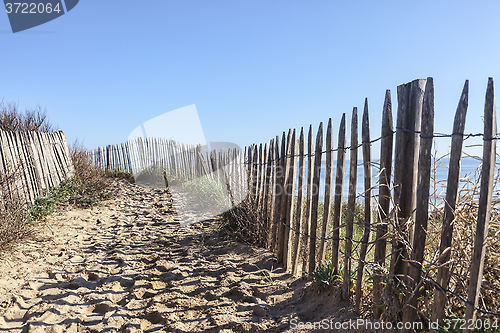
(252, 68)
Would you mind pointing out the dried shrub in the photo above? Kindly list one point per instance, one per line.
(89, 184)
(12, 119)
(14, 215)
(245, 223)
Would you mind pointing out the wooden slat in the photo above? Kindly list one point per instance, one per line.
(277, 189)
(422, 213)
(351, 204)
(384, 203)
(339, 186)
(485, 196)
(368, 218)
(260, 178)
(315, 198)
(300, 206)
(25, 167)
(34, 173)
(410, 98)
(255, 171)
(290, 192)
(281, 200)
(15, 164)
(327, 202)
(443, 275)
(267, 184)
(307, 222)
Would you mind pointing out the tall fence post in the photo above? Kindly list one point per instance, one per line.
(351, 204)
(267, 186)
(276, 193)
(285, 160)
(443, 275)
(485, 196)
(307, 223)
(280, 182)
(422, 212)
(368, 218)
(315, 198)
(410, 98)
(290, 193)
(300, 206)
(339, 186)
(384, 203)
(327, 201)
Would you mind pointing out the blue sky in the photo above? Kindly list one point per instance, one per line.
(252, 68)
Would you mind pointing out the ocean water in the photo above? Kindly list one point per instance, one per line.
(469, 170)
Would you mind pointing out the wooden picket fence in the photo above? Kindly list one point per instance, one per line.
(31, 162)
(179, 161)
(291, 210)
(284, 179)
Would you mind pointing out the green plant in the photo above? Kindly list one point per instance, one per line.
(324, 275)
(266, 274)
(43, 207)
(207, 191)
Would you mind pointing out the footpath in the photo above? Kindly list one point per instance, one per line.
(128, 266)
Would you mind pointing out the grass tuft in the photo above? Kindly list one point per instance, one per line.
(324, 275)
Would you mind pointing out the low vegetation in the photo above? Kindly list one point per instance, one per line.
(324, 275)
(86, 188)
(245, 223)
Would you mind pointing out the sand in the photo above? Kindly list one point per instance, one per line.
(128, 266)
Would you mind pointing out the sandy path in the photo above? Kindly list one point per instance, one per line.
(127, 266)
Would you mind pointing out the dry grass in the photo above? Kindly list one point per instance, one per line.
(14, 215)
(461, 252)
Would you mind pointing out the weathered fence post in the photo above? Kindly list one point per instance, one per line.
(315, 198)
(285, 159)
(484, 210)
(327, 201)
(384, 202)
(280, 179)
(351, 204)
(300, 206)
(276, 193)
(255, 171)
(339, 186)
(307, 223)
(267, 185)
(258, 188)
(410, 98)
(262, 171)
(443, 275)
(422, 212)
(290, 192)
(368, 218)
